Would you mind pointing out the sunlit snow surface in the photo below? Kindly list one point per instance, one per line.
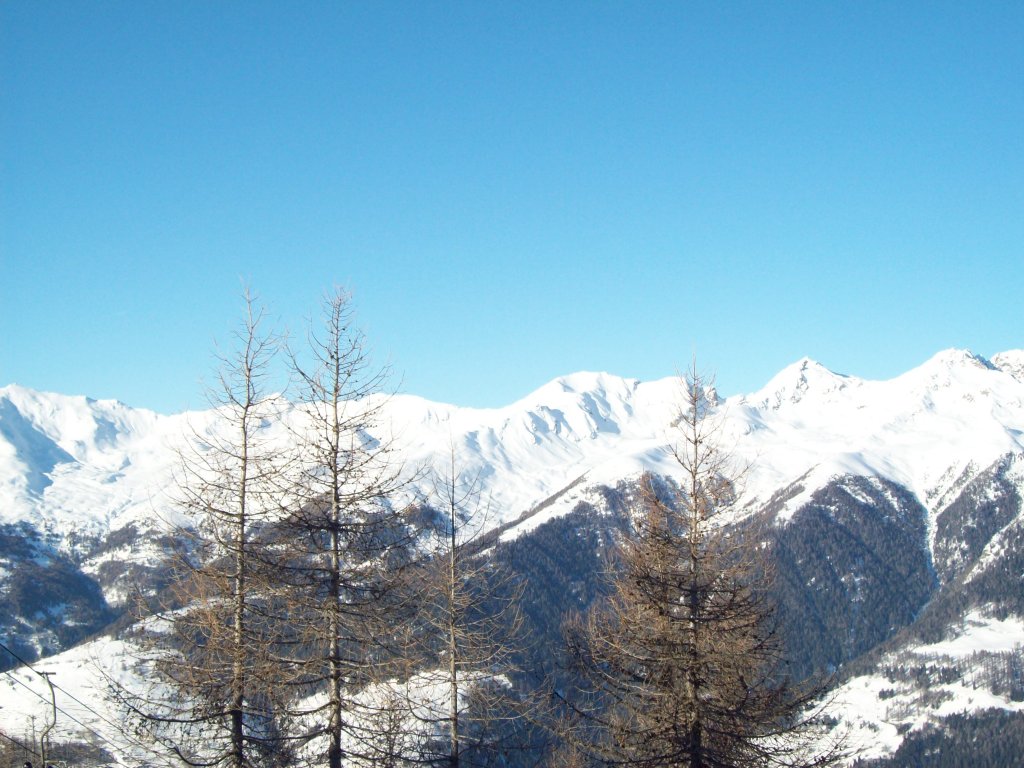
(71, 465)
(84, 710)
(875, 713)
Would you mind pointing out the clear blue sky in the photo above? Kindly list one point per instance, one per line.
(513, 191)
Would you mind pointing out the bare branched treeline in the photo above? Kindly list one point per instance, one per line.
(310, 612)
(316, 619)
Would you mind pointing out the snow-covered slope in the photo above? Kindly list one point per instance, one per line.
(85, 711)
(72, 463)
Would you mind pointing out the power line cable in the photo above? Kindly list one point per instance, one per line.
(66, 714)
(59, 688)
(105, 739)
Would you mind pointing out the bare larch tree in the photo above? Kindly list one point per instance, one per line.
(683, 663)
(213, 647)
(472, 626)
(345, 542)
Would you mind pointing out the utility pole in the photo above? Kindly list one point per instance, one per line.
(52, 723)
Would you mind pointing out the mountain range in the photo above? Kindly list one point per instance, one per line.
(895, 512)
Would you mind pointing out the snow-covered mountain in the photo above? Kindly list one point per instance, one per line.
(924, 473)
(76, 467)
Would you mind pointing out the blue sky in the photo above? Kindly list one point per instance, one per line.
(512, 191)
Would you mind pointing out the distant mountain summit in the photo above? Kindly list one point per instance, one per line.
(794, 383)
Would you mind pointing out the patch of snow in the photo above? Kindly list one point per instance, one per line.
(85, 711)
(980, 633)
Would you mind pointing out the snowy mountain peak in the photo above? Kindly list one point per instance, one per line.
(795, 382)
(957, 358)
(72, 463)
(955, 371)
(585, 382)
